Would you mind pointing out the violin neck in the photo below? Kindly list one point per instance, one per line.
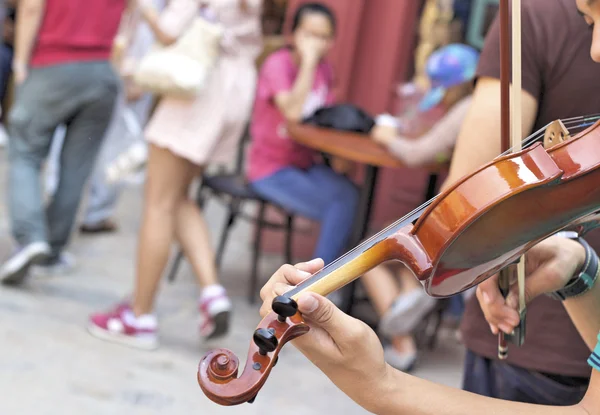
(330, 279)
(372, 252)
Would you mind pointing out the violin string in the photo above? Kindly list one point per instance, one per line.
(578, 122)
(587, 121)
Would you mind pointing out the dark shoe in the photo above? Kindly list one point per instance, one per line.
(105, 226)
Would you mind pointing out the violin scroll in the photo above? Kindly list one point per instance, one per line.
(218, 370)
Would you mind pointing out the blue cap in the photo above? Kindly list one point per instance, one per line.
(446, 67)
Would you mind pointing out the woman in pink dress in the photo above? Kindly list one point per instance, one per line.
(185, 136)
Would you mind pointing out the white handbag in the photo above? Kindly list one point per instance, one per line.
(182, 69)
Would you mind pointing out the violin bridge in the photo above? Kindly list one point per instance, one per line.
(555, 134)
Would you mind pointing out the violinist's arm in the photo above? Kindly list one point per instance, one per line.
(585, 313)
(350, 354)
(406, 394)
(479, 138)
(550, 266)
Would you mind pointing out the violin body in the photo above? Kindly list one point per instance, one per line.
(489, 219)
(472, 230)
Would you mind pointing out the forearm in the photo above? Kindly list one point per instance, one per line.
(152, 18)
(585, 314)
(299, 93)
(406, 394)
(29, 19)
(439, 140)
(479, 139)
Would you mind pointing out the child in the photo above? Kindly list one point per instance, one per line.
(450, 71)
(293, 83)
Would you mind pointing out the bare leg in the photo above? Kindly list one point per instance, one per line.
(382, 288)
(193, 235)
(408, 281)
(167, 182)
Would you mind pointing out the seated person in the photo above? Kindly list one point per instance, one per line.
(401, 302)
(450, 71)
(402, 306)
(294, 82)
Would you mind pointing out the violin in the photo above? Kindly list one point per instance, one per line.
(474, 229)
(469, 232)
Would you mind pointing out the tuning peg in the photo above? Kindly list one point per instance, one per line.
(284, 307)
(265, 340)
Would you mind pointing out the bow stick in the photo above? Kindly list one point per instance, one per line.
(511, 133)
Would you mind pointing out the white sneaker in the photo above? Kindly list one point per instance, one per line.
(127, 163)
(63, 264)
(14, 270)
(404, 362)
(406, 313)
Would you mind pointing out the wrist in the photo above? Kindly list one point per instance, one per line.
(310, 61)
(580, 252)
(585, 276)
(386, 385)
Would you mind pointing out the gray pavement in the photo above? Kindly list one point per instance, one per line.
(49, 364)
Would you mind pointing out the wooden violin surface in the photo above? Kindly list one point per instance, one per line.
(218, 370)
(493, 216)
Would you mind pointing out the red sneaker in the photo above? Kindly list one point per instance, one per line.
(121, 326)
(215, 309)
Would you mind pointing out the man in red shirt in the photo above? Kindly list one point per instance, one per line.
(63, 76)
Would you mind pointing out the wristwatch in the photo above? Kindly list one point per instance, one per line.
(585, 280)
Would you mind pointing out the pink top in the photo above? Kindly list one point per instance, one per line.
(272, 149)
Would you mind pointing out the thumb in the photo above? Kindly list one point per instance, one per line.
(322, 312)
(311, 266)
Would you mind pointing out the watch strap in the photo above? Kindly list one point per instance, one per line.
(585, 280)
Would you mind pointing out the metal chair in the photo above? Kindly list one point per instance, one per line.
(233, 189)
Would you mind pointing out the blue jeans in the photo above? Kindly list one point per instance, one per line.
(103, 196)
(501, 380)
(6, 57)
(320, 194)
(80, 96)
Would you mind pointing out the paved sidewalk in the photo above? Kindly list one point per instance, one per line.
(50, 365)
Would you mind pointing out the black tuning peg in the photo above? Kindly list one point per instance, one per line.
(284, 306)
(265, 340)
